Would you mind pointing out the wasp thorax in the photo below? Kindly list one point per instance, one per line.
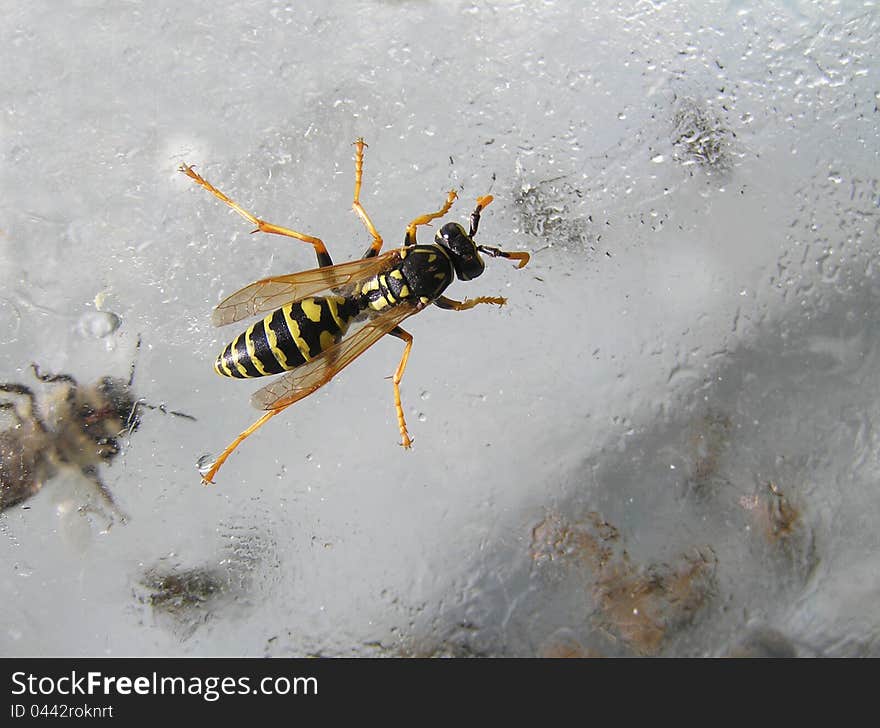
(465, 256)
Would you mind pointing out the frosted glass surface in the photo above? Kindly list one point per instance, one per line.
(663, 444)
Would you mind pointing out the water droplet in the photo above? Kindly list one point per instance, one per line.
(422, 417)
(97, 324)
(425, 394)
(621, 116)
(205, 463)
(658, 159)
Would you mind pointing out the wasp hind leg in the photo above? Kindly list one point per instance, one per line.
(410, 238)
(406, 337)
(208, 477)
(262, 226)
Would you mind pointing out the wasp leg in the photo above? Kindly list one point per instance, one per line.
(52, 378)
(104, 492)
(137, 349)
(208, 478)
(15, 412)
(405, 336)
(410, 238)
(22, 391)
(262, 226)
(451, 305)
(482, 203)
(376, 245)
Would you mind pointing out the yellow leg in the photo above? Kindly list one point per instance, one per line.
(405, 440)
(208, 478)
(468, 303)
(426, 219)
(376, 245)
(262, 226)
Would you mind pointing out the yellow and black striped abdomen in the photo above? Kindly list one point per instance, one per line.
(287, 338)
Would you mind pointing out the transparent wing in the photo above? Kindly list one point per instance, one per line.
(271, 293)
(302, 381)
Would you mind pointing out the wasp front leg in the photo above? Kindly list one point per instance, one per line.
(410, 238)
(52, 378)
(468, 303)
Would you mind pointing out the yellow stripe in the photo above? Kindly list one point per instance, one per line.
(327, 340)
(397, 274)
(311, 309)
(333, 305)
(224, 365)
(404, 291)
(378, 304)
(388, 295)
(273, 343)
(293, 327)
(234, 352)
(252, 350)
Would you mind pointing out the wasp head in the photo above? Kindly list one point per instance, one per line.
(463, 251)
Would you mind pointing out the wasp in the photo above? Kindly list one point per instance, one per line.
(319, 321)
(72, 426)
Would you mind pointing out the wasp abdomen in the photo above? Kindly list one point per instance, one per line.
(287, 338)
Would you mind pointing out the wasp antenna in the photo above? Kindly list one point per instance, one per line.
(132, 417)
(482, 203)
(522, 257)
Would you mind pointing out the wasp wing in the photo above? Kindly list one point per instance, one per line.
(302, 381)
(271, 293)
